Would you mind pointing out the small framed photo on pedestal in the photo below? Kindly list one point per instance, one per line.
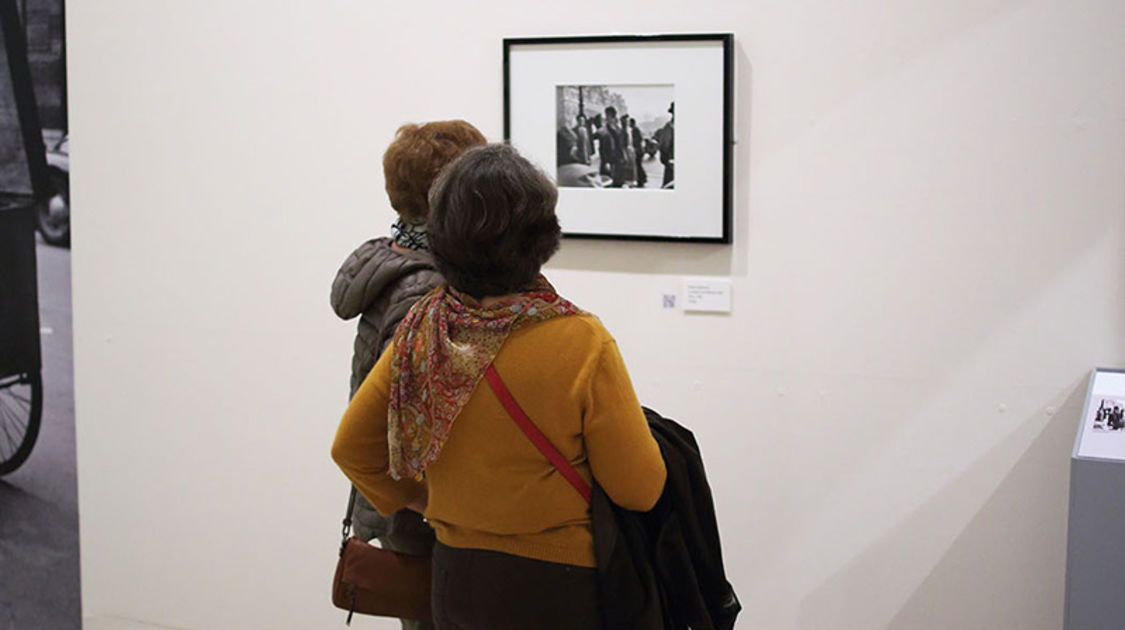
(1102, 435)
(635, 129)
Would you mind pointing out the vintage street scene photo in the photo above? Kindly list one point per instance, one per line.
(38, 480)
(1109, 415)
(615, 136)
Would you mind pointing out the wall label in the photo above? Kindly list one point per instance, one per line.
(707, 295)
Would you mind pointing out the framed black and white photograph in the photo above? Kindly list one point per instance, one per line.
(635, 129)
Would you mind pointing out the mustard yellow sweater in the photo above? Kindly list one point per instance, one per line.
(491, 488)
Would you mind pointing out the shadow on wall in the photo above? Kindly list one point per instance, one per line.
(643, 257)
(1019, 532)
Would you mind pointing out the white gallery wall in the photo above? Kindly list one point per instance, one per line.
(929, 258)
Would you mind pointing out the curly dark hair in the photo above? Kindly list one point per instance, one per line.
(492, 221)
(416, 156)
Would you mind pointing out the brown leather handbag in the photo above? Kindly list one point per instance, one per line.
(380, 582)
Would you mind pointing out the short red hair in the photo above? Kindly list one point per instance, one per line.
(416, 156)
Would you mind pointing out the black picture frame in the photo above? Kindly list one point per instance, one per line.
(525, 99)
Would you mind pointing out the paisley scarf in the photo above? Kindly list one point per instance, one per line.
(442, 348)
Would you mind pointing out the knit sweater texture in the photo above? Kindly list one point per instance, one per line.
(490, 488)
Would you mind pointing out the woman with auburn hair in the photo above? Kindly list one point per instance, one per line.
(515, 542)
(382, 279)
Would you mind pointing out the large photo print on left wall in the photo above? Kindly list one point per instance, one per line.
(38, 485)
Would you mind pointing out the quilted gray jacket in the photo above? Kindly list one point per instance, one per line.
(379, 284)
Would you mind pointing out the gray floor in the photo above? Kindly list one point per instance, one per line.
(39, 587)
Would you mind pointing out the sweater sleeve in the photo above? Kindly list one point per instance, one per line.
(361, 446)
(624, 457)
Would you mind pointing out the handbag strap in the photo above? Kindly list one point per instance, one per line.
(348, 515)
(534, 434)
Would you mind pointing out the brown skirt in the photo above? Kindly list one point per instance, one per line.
(475, 589)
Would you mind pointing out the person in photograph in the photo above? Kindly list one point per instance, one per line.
(667, 148)
(620, 169)
(638, 144)
(597, 125)
(612, 147)
(382, 279)
(592, 125)
(630, 158)
(566, 145)
(1117, 418)
(605, 145)
(582, 132)
(514, 539)
(572, 171)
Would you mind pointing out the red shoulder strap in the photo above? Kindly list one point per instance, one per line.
(534, 434)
